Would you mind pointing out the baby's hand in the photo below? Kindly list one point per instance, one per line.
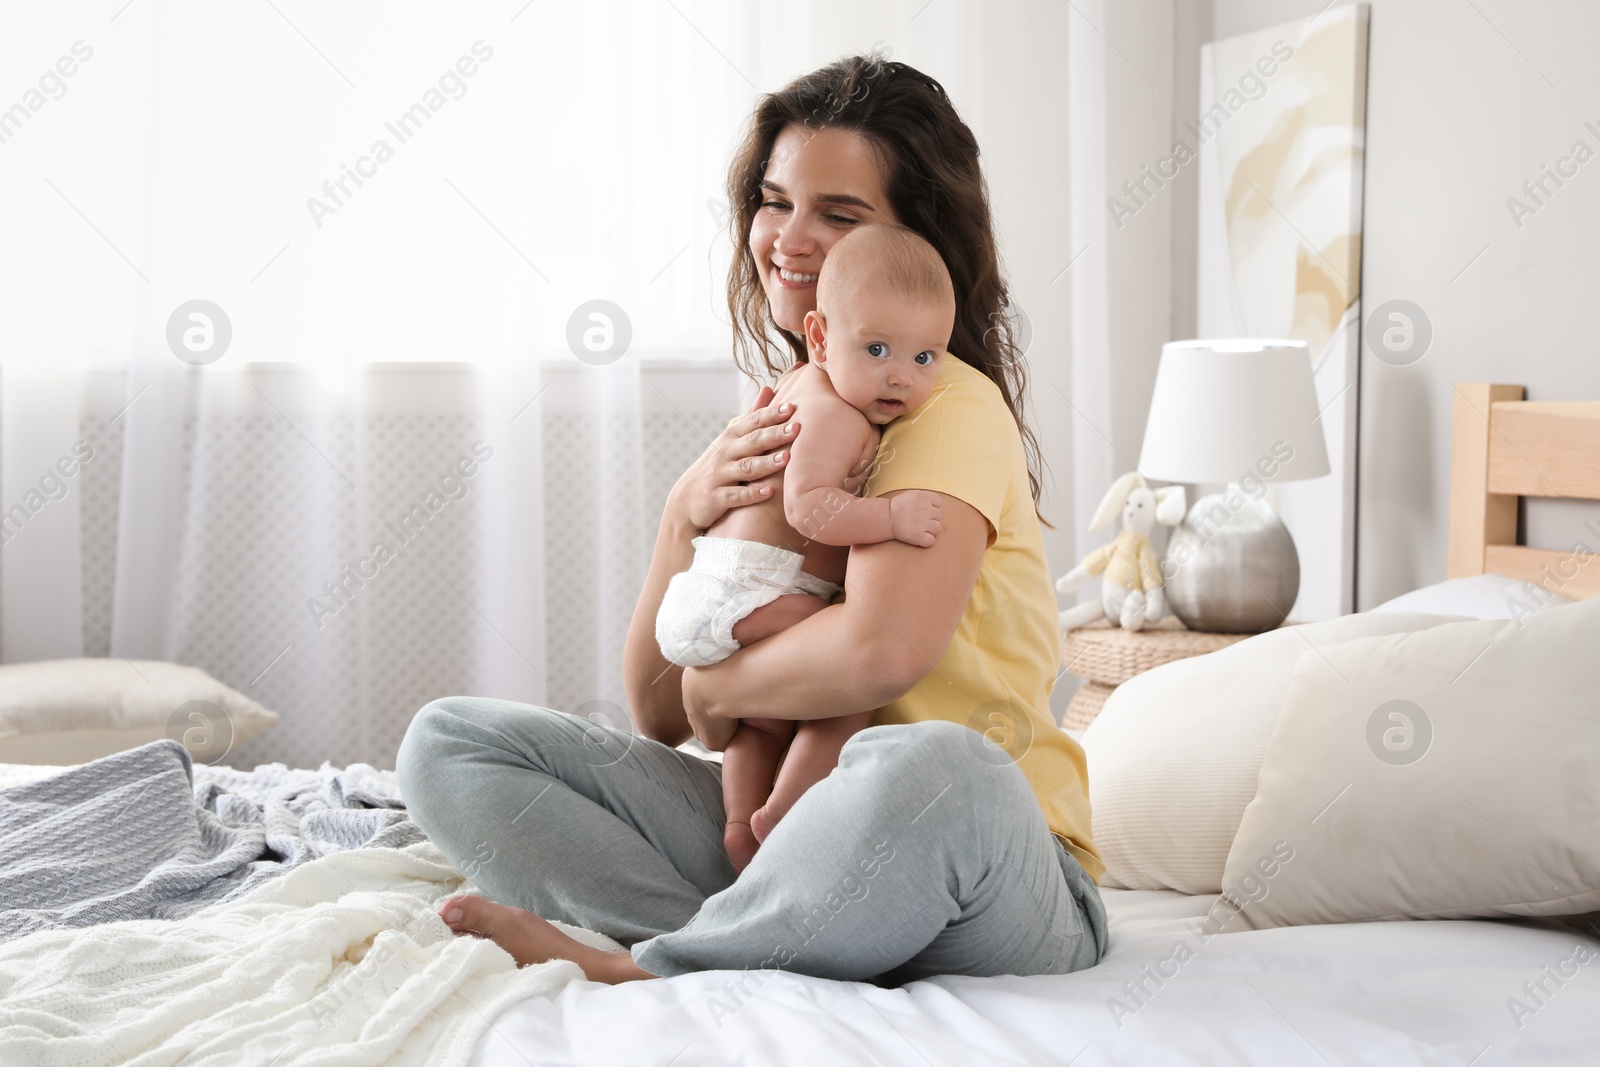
(914, 517)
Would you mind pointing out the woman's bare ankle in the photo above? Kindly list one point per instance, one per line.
(530, 939)
(611, 968)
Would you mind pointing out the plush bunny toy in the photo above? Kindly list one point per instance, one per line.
(1132, 594)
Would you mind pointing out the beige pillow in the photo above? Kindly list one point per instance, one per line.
(75, 710)
(1174, 753)
(1443, 774)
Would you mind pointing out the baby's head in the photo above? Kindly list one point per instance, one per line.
(885, 312)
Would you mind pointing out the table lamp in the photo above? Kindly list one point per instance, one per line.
(1241, 412)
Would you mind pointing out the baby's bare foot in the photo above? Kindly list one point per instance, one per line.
(761, 823)
(741, 843)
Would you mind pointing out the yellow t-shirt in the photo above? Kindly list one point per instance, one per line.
(997, 673)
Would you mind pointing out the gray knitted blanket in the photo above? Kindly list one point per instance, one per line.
(145, 834)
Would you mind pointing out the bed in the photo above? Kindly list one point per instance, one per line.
(339, 959)
(1506, 448)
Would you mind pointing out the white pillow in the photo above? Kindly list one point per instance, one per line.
(1449, 773)
(1480, 596)
(1173, 754)
(76, 710)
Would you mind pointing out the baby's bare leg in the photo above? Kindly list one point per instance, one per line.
(812, 756)
(781, 614)
(752, 754)
(748, 764)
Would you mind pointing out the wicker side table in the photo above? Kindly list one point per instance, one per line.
(1108, 655)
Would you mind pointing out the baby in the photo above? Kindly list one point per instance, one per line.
(885, 312)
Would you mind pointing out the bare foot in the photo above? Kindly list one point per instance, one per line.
(741, 842)
(530, 939)
(761, 824)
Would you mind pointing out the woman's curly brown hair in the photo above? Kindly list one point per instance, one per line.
(934, 184)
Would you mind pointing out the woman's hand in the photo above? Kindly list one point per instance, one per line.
(711, 485)
(701, 496)
(713, 732)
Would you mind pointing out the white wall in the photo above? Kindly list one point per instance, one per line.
(1464, 104)
(1140, 277)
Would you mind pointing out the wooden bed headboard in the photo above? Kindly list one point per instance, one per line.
(1505, 448)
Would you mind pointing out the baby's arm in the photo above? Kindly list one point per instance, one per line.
(815, 504)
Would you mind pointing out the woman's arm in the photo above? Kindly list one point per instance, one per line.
(705, 491)
(902, 605)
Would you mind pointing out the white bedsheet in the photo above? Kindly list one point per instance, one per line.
(1369, 993)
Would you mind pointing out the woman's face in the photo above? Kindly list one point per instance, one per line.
(818, 186)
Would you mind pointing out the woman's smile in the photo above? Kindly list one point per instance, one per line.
(788, 279)
(815, 188)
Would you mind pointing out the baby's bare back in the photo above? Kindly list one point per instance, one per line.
(807, 388)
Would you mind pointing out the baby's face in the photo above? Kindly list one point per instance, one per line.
(882, 354)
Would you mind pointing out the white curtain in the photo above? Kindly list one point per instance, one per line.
(294, 517)
(1095, 454)
(1126, 72)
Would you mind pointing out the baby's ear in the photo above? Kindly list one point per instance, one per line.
(816, 331)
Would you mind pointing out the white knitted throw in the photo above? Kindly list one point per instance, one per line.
(339, 962)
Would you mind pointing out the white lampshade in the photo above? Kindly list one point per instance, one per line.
(1223, 408)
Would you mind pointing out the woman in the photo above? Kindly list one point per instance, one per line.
(953, 837)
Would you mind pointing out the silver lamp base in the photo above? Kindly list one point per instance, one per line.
(1231, 567)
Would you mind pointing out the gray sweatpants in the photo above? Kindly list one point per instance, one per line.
(921, 854)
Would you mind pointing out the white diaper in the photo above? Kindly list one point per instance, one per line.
(728, 580)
